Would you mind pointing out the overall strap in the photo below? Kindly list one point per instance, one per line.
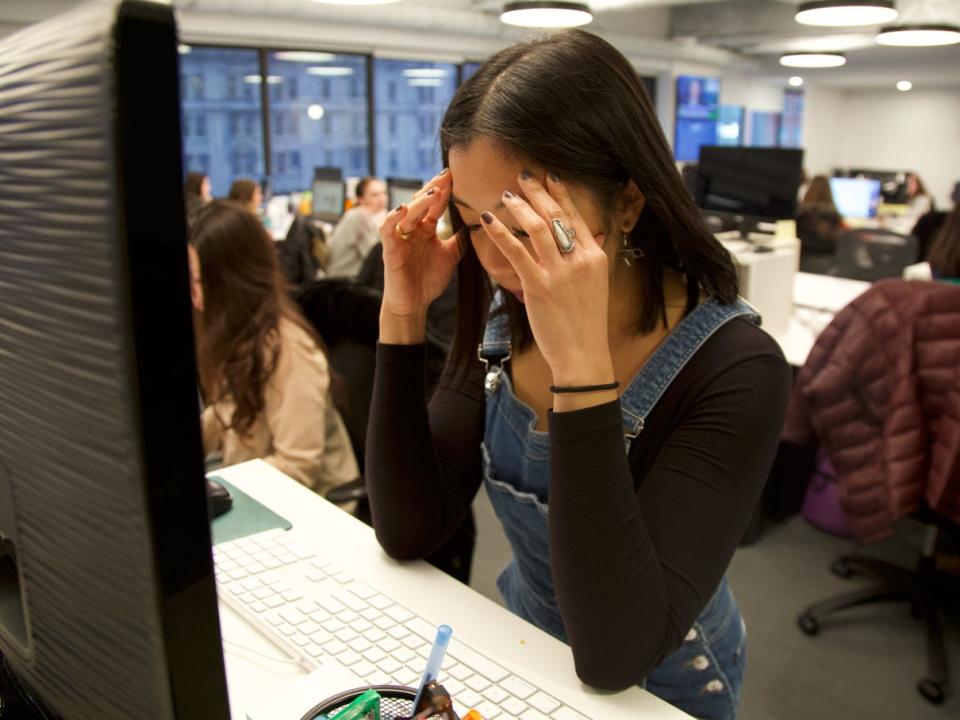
(646, 389)
(496, 335)
(494, 350)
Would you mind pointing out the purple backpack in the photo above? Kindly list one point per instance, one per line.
(822, 507)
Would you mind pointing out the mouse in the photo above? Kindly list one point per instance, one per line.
(218, 499)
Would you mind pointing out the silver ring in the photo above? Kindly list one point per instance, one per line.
(565, 236)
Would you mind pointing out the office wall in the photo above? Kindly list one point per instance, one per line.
(917, 130)
(822, 119)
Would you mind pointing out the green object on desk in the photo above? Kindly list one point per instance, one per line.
(246, 517)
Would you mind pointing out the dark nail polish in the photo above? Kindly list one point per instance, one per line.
(507, 194)
(526, 175)
(553, 177)
(431, 191)
(486, 217)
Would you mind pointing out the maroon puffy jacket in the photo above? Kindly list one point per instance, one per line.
(881, 392)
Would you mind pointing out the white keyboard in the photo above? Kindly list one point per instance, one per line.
(314, 609)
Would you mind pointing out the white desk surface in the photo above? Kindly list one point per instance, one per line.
(816, 299)
(255, 680)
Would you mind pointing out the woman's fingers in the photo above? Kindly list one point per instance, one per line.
(561, 197)
(440, 203)
(416, 211)
(512, 249)
(537, 226)
(391, 220)
(438, 181)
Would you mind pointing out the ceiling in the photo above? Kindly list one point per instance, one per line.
(721, 32)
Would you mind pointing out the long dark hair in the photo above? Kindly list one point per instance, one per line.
(244, 298)
(944, 256)
(573, 105)
(819, 196)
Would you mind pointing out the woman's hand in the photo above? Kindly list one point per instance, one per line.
(566, 294)
(417, 265)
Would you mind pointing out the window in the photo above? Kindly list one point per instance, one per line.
(322, 121)
(212, 79)
(468, 69)
(420, 91)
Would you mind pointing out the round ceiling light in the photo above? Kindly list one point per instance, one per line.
(843, 13)
(904, 86)
(813, 60)
(546, 14)
(919, 35)
(795, 81)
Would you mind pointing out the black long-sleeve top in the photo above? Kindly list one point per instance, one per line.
(638, 541)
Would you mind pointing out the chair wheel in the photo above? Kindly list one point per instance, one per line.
(840, 568)
(808, 624)
(932, 691)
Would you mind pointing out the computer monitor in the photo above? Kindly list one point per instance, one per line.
(855, 197)
(893, 183)
(108, 607)
(329, 194)
(756, 182)
(401, 190)
(698, 102)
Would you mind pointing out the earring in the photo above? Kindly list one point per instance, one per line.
(628, 253)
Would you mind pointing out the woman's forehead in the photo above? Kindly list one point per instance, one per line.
(481, 172)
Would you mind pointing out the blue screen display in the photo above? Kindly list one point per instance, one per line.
(698, 101)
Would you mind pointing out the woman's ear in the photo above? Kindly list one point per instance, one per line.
(629, 206)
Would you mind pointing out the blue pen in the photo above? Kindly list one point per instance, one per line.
(436, 659)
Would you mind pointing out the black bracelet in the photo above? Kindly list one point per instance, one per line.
(584, 388)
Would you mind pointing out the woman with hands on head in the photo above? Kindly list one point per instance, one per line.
(606, 384)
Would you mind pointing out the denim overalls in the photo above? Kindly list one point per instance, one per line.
(704, 675)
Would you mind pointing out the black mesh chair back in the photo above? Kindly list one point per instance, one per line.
(874, 254)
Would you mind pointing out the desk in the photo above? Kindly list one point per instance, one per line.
(816, 299)
(253, 679)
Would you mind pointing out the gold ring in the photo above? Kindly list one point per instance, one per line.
(403, 234)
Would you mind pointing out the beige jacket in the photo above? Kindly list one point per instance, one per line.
(299, 431)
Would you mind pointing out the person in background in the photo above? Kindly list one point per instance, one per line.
(919, 200)
(944, 255)
(624, 409)
(247, 193)
(928, 226)
(356, 233)
(196, 193)
(264, 378)
(818, 225)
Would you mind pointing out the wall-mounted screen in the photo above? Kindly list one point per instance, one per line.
(698, 103)
(730, 125)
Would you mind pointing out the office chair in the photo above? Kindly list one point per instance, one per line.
(346, 316)
(873, 254)
(880, 393)
(929, 592)
(818, 229)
